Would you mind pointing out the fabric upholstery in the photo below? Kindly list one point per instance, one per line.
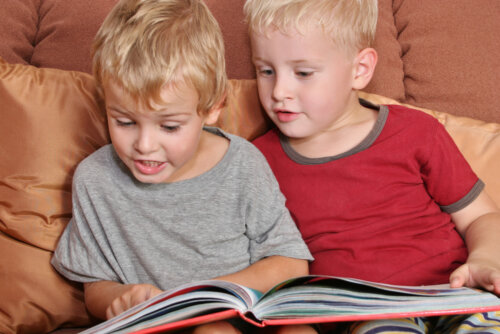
(450, 55)
(51, 33)
(51, 120)
(389, 72)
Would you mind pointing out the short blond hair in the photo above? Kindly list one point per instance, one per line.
(144, 45)
(350, 23)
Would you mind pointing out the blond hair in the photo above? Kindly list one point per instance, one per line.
(144, 45)
(350, 23)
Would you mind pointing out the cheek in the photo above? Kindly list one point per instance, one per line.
(185, 146)
(264, 92)
(264, 88)
(118, 138)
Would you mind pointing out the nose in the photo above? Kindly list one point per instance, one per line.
(146, 141)
(282, 89)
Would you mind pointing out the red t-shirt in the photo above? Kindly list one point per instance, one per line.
(377, 212)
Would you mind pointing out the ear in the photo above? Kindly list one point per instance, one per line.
(364, 66)
(213, 114)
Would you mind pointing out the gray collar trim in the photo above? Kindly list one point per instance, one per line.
(363, 145)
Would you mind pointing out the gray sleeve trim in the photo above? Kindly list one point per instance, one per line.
(466, 200)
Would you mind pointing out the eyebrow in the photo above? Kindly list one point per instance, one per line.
(293, 61)
(162, 113)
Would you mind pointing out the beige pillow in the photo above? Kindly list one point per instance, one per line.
(51, 120)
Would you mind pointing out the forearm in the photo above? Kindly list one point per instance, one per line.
(482, 238)
(267, 272)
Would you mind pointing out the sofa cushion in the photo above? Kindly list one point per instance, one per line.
(51, 33)
(35, 298)
(229, 14)
(51, 120)
(388, 77)
(65, 33)
(18, 28)
(450, 54)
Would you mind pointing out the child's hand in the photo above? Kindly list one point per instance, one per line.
(133, 295)
(477, 274)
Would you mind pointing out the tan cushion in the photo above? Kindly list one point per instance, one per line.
(450, 54)
(35, 298)
(50, 122)
(243, 114)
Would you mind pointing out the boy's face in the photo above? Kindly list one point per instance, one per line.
(160, 144)
(305, 82)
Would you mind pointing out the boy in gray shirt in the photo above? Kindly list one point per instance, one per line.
(171, 200)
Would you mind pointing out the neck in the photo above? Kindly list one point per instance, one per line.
(347, 132)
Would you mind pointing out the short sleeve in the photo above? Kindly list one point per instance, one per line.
(448, 176)
(270, 227)
(79, 253)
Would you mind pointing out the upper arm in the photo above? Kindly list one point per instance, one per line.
(482, 205)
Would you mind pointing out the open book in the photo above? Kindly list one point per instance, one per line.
(308, 299)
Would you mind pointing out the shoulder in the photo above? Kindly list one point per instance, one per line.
(271, 136)
(409, 116)
(412, 124)
(239, 146)
(247, 161)
(96, 165)
(269, 144)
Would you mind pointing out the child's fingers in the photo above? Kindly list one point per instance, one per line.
(459, 277)
(117, 306)
(490, 281)
(496, 283)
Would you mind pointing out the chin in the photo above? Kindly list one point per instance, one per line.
(291, 131)
(152, 179)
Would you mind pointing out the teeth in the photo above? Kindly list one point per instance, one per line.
(151, 163)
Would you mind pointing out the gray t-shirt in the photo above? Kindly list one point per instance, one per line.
(168, 234)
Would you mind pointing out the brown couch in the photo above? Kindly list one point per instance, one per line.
(438, 55)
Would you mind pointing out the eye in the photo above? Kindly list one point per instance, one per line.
(304, 74)
(170, 128)
(124, 122)
(265, 72)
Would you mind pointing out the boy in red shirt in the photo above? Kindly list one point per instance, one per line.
(379, 192)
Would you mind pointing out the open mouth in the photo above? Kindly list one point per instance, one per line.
(148, 163)
(149, 167)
